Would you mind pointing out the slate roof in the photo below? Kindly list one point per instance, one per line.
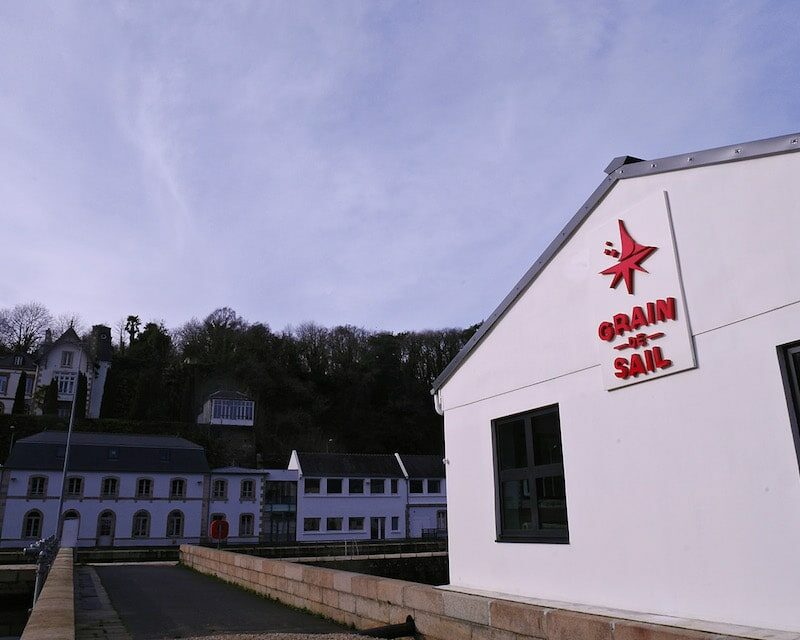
(108, 452)
(28, 363)
(423, 466)
(620, 168)
(350, 465)
(239, 470)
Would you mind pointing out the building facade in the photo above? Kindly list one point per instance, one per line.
(124, 490)
(622, 431)
(14, 369)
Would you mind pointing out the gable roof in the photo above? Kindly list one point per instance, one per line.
(93, 452)
(381, 465)
(620, 168)
(423, 466)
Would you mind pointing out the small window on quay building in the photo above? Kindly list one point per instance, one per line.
(531, 503)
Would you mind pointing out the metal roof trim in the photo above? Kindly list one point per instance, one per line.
(718, 155)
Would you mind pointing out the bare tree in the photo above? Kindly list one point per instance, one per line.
(69, 320)
(23, 326)
(120, 327)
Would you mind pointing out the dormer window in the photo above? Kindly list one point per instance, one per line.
(113, 453)
(17, 361)
(66, 358)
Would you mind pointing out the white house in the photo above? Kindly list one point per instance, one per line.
(348, 496)
(426, 507)
(12, 368)
(622, 431)
(231, 408)
(63, 359)
(126, 490)
(236, 494)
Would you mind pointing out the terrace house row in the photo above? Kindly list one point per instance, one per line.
(142, 490)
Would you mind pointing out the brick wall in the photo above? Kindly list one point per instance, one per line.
(369, 601)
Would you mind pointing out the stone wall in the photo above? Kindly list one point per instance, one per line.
(368, 601)
(53, 616)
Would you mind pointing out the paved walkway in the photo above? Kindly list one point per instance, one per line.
(157, 601)
(95, 618)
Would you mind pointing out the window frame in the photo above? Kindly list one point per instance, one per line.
(141, 513)
(437, 483)
(222, 495)
(104, 493)
(308, 490)
(144, 496)
(531, 473)
(29, 517)
(176, 515)
(311, 520)
(791, 387)
(68, 490)
(173, 495)
(355, 482)
(351, 520)
(329, 490)
(247, 495)
(377, 482)
(247, 532)
(338, 523)
(39, 494)
(414, 484)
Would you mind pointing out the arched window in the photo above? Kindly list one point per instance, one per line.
(246, 521)
(141, 525)
(105, 523)
(177, 488)
(71, 514)
(32, 524)
(175, 524)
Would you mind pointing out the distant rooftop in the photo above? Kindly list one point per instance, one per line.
(383, 465)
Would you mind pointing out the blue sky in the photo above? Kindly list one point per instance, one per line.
(393, 165)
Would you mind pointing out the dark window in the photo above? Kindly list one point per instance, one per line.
(246, 521)
(113, 454)
(32, 525)
(177, 488)
(220, 491)
(394, 486)
(141, 525)
(164, 455)
(109, 488)
(144, 488)
(248, 490)
(355, 524)
(310, 524)
(377, 486)
(74, 487)
(175, 524)
(334, 485)
(37, 487)
(334, 524)
(790, 368)
(395, 523)
(415, 486)
(530, 492)
(434, 486)
(356, 485)
(311, 485)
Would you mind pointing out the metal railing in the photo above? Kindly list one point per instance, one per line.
(44, 551)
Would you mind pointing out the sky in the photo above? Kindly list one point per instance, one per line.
(391, 165)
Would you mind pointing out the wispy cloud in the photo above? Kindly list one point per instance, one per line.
(393, 165)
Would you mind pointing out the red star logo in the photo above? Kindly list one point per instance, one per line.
(632, 254)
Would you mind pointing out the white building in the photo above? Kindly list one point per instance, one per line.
(348, 496)
(230, 408)
(69, 356)
(426, 505)
(622, 431)
(126, 490)
(12, 368)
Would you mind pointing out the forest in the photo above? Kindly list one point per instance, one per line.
(316, 389)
